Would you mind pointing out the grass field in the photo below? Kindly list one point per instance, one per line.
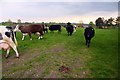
(43, 58)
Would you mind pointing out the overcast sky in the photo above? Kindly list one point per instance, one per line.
(55, 11)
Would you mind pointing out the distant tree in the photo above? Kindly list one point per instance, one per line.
(91, 23)
(117, 21)
(18, 21)
(33, 22)
(80, 24)
(110, 22)
(9, 23)
(99, 22)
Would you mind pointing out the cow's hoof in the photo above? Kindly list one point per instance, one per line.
(41, 38)
(17, 56)
(6, 56)
(88, 46)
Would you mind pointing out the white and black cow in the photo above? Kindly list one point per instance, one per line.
(8, 40)
(89, 34)
(74, 27)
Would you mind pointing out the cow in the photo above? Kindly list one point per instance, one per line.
(69, 29)
(89, 33)
(8, 40)
(33, 28)
(45, 28)
(74, 27)
(55, 27)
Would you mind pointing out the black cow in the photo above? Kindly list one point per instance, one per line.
(55, 27)
(89, 34)
(69, 29)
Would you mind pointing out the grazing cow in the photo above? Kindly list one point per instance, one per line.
(7, 40)
(33, 28)
(89, 33)
(69, 29)
(45, 28)
(55, 27)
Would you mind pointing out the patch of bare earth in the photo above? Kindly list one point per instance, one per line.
(17, 68)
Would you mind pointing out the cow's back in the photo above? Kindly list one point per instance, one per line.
(31, 28)
(36, 28)
(55, 27)
(25, 29)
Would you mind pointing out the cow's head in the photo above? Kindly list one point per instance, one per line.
(16, 28)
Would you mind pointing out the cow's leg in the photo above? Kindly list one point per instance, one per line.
(7, 54)
(30, 36)
(41, 37)
(89, 42)
(11, 43)
(38, 33)
(23, 37)
(46, 30)
(15, 49)
(59, 30)
(86, 41)
(41, 34)
(70, 33)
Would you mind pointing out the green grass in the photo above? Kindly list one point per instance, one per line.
(42, 58)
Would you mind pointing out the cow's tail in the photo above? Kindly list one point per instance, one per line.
(14, 38)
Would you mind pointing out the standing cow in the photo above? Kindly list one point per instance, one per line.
(89, 34)
(69, 29)
(55, 27)
(33, 28)
(7, 40)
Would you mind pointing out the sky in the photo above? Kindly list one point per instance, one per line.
(57, 11)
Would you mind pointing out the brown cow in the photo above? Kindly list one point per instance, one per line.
(33, 28)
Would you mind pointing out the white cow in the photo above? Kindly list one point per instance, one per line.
(7, 40)
(74, 27)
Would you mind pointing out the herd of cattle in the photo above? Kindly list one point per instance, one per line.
(8, 34)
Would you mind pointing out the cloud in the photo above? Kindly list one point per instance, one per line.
(59, 0)
(56, 11)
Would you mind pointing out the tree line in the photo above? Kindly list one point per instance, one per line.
(100, 22)
(106, 23)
